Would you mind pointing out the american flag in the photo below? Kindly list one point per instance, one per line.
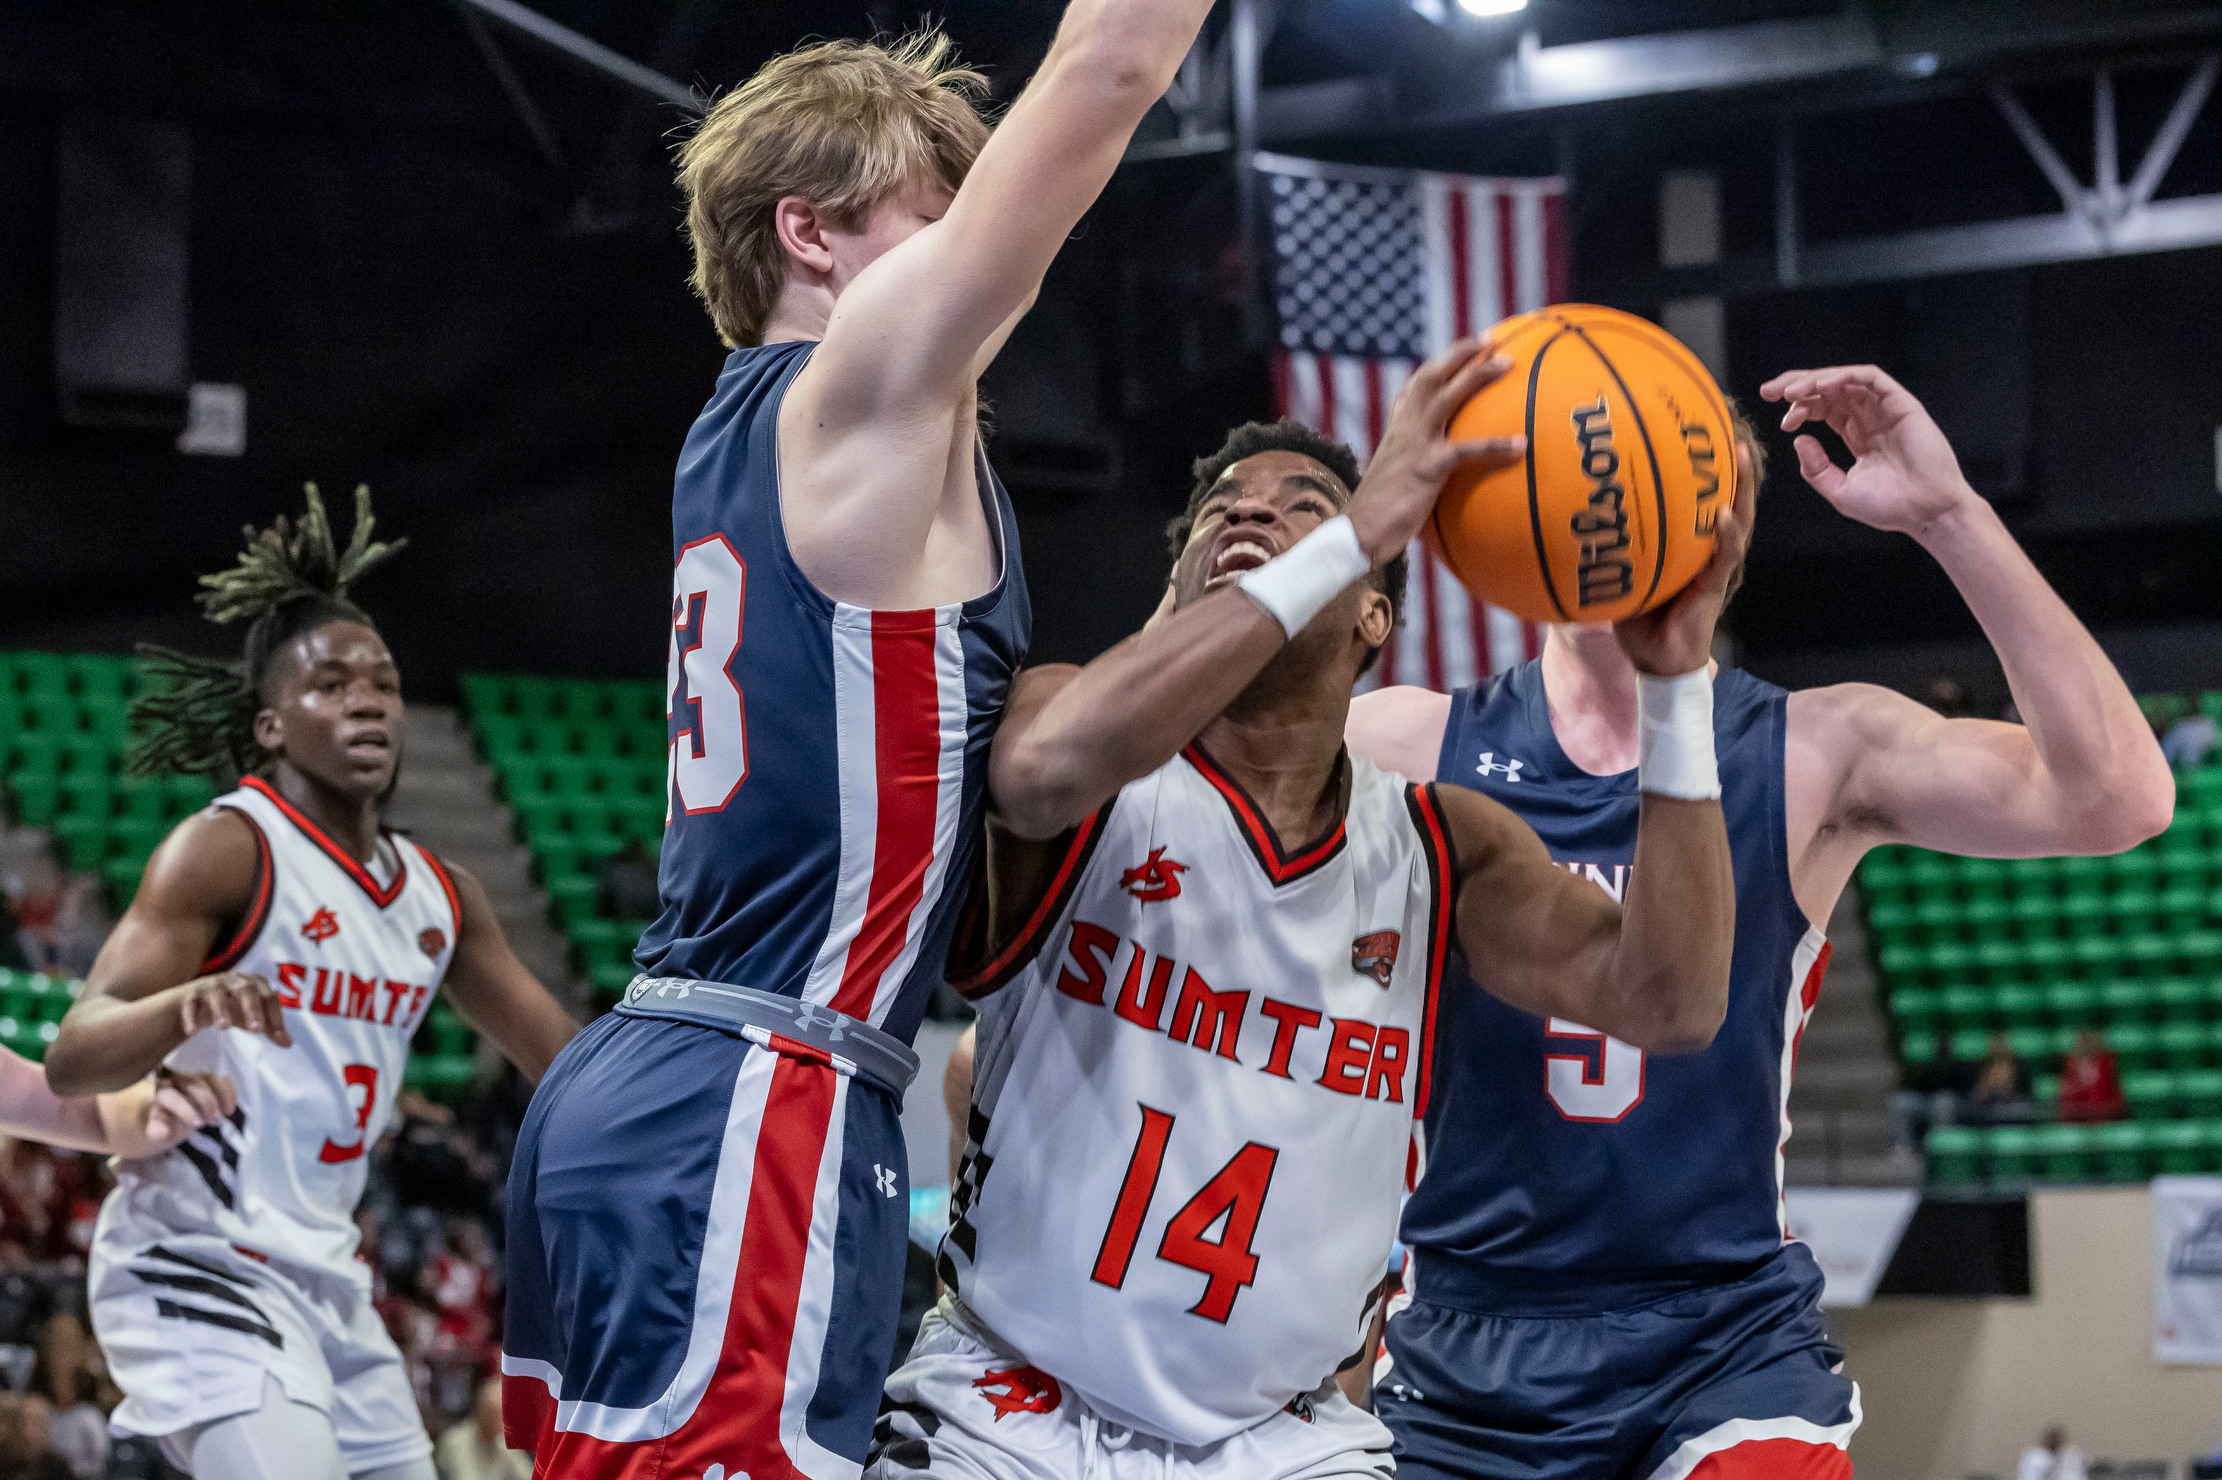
(1375, 270)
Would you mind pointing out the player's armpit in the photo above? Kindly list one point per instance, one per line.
(147, 981)
(496, 993)
(1651, 971)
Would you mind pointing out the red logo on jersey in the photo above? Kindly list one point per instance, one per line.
(1155, 877)
(321, 927)
(433, 941)
(1375, 954)
(1024, 1390)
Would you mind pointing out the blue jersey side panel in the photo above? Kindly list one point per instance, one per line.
(750, 889)
(1527, 1207)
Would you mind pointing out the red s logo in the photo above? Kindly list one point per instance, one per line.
(1020, 1390)
(1155, 877)
(321, 927)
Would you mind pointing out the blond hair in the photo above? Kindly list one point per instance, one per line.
(843, 124)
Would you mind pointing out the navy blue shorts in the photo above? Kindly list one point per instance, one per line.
(706, 1248)
(1733, 1380)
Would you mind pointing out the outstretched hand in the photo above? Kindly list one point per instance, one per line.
(1904, 477)
(1417, 454)
(232, 999)
(159, 1112)
(1676, 636)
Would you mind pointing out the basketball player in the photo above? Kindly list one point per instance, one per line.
(1208, 981)
(708, 1204)
(283, 938)
(1603, 1285)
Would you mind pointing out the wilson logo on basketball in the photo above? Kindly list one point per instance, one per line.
(321, 927)
(1603, 574)
(1375, 954)
(433, 941)
(1155, 877)
(1020, 1390)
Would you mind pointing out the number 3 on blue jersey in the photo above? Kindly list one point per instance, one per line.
(1601, 1080)
(709, 737)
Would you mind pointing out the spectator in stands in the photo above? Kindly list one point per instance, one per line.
(33, 883)
(2054, 1459)
(12, 957)
(2190, 741)
(64, 1375)
(627, 888)
(2090, 1084)
(2000, 1093)
(27, 1440)
(81, 925)
(21, 848)
(476, 1450)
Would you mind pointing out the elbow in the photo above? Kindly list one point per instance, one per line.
(1038, 793)
(1134, 69)
(2136, 807)
(67, 1073)
(1680, 1024)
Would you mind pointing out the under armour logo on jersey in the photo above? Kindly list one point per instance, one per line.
(718, 1472)
(1020, 1390)
(884, 1178)
(1490, 766)
(1155, 877)
(321, 927)
(1375, 954)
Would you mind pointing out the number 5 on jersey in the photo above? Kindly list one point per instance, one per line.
(1236, 1192)
(709, 738)
(1595, 1078)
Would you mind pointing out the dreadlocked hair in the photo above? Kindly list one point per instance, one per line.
(196, 715)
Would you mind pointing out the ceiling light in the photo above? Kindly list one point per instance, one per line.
(1492, 7)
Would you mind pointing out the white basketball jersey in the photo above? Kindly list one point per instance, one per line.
(1199, 1077)
(355, 961)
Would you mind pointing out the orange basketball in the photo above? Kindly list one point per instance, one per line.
(1631, 458)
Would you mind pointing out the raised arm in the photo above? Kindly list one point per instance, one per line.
(146, 993)
(907, 331)
(2081, 773)
(1651, 970)
(496, 993)
(1073, 736)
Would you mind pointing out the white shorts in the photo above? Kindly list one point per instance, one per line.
(964, 1409)
(191, 1326)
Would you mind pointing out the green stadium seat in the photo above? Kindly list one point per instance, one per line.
(85, 794)
(1918, 1047)
(38, 795)
(610, 979)
(190, 793)
(2150, 1093)
(2134, 870)
(2182, 908)
(2199, 1092)
(557, 857)
(2126, 1000)
(2196, 952)
(537, 699)
(2124, 1150)
(2031, 876)
(1955, 1155)
(2019, 1004)
(2163, 709)
(122, 876)
(1928, 872)
(83, 841)
(1948, 961)
(2080, 875)
(571, 898)
(596, 846)
(2064, 1152)
(145, 798)
(2134, 1044)
(2032, 1045)
(1937, 916)
(2180, 997)
(2045, 1090)
(2011, 1151)
(1902, 963)
(2072, 1002)
(2182, 1147)
(2182, 1043)
(1987, 919)
(439, 1076)
(485, 697)
(1970, 1045)
(2046, 960)
(1915, 1007)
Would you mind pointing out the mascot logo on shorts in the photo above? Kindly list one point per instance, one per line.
(1155, 877)
(1375, 954)
(432, 942)
(1020, 1390)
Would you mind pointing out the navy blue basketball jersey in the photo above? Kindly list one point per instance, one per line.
(1567, 1170)
(828, 764)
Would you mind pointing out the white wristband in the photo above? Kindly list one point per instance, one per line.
(1295, 584)
(1675, 756)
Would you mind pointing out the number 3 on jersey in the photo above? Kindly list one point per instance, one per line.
(709, 741)
(1594, 1078)
(1236, 1192)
